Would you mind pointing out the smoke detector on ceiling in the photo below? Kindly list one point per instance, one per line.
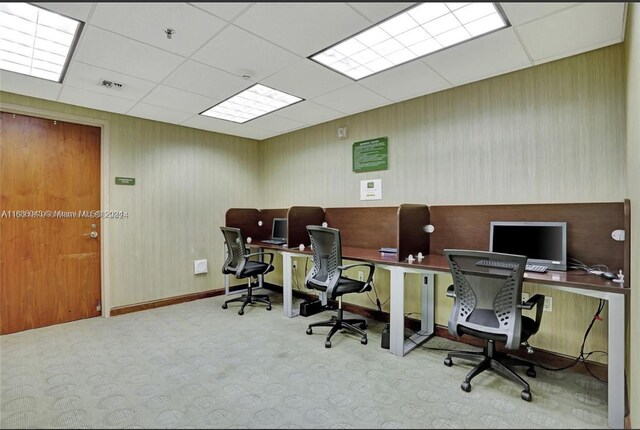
(110, 84)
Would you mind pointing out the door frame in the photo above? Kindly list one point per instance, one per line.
(104, 126)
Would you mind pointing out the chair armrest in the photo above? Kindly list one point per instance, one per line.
(371, 267)
(270, 254)
(538, 301)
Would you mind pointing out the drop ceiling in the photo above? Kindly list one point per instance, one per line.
(215, 46)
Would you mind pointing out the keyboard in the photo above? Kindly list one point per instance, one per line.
(508, 265)
(274, 241)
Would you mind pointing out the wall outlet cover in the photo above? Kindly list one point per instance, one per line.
(199, 266)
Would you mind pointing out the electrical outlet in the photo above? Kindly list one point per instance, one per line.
(525, 296)
(360, 275)
(294, 264)
(548, 303)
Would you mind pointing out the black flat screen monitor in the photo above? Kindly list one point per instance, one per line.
(279, 229)
(543, 243)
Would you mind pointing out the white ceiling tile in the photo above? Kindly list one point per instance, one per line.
(489, 55)
(94, 100)
(87, 77)
(178, 99)
(309, 113)
(351, 99)
(215, 52)
(406, 81)
(226, 11)
(296, 79)
(273, 122)
(158, 113)
(76, 10)
(519, 13)
(302, 27)
(28, 85)
(107, 50)
(193, 27)
(573, 31)
(208, 123)
(250, 132)
(235, 49)
(376, 12)
(208, 81)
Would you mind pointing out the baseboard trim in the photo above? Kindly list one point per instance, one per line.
(152, 304)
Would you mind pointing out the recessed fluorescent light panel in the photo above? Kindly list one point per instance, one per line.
(36, 42)
(416, 32)
(253, 102)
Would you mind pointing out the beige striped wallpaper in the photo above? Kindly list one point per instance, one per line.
(551, 133)
(632, 74)
(186, 179)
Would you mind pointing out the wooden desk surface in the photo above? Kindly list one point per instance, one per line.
(438, 263)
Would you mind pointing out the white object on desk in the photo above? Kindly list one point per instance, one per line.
(301, 247)
(410, 258)
(249, 239)
(620, 278)
(324, 224)
(420, 256)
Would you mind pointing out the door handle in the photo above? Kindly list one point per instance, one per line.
(92, 235)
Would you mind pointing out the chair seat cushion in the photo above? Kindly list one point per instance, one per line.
(252, 268)
(344, 286)
(527, 328)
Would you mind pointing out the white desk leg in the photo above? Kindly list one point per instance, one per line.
(427, 311)
(615, 365)
(287, 287)
(396, 312)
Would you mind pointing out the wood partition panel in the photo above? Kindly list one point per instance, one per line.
(412, 236)
(267, 216)
(589, 227)
(365, 227)
(247, 221)
(299, 217)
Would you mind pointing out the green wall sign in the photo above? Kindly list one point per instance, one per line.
(125, 181)
(370, 155)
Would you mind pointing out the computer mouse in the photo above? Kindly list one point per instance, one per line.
(608, 275)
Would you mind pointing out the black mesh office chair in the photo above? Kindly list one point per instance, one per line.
(238, 263)
(326, 276)
(488, 305)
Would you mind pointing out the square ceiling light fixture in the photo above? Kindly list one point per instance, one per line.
(36, 42)
(416, 32)
(251, 103)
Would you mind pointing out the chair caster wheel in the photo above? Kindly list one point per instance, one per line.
(531, 372)
(327, 344)
(269, 307)
(363, 341)
(465, 386)
(363, 326)
(309, 331)
(526, 395)
(240, 312)
(224, 306)
(448, 362)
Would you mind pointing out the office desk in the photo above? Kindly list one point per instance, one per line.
(571, 281)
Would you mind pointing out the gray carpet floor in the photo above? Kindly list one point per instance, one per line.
(195, 365)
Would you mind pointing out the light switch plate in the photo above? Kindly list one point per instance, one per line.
(199, 266)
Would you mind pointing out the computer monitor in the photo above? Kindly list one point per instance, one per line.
(279, 229)
(544, 243)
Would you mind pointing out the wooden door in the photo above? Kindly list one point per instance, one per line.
(49, 205)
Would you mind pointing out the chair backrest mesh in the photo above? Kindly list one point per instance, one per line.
(235, 248)
(327, 255)
(487, 298)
